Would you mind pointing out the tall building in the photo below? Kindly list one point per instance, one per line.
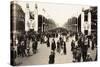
(94, 20)
(87, 21)
(41, 18)
(17, 20)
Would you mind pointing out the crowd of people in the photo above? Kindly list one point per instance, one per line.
(79, 47)
(80, 50)
(59, 47)
(23, 46)
(27, 45)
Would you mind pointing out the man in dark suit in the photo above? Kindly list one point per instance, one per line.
(53, 45)
(52, 58)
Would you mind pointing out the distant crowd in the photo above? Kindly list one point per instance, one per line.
(27, 45)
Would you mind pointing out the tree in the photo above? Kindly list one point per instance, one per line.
(48, 23)
(71, 24)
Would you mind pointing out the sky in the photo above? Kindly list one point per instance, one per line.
(60, 13)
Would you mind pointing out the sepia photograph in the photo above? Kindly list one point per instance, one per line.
(44, 33)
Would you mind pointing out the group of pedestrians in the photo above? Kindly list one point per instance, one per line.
(27, 46)
(23, 47)
(59, 46)
(80, 50)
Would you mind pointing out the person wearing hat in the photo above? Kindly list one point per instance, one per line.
(52, 57)
(72, 45)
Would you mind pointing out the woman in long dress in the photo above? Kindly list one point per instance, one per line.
(64, 48)
(53, 45)
(48, 43)
(58, 46)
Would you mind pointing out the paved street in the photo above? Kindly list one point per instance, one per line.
(42, 56)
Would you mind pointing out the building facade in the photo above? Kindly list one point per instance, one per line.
(17, 20)
(31, 18)
(87, 21)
